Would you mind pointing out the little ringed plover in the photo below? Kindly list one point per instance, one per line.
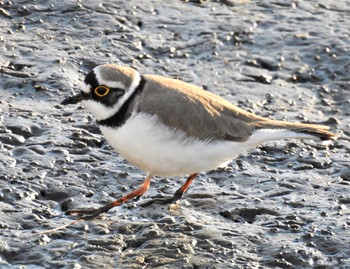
(170, 128)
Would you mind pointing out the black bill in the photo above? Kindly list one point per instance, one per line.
(73, 99)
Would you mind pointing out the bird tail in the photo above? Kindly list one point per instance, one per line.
(301, 130)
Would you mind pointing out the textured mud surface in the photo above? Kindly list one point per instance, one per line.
(282, 205)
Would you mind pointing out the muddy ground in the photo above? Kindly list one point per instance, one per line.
(282, 205)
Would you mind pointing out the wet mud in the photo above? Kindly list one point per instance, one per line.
(284, 204)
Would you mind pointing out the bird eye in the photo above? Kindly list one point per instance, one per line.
(101, 91)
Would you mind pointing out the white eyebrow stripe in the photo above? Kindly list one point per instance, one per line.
(111, 84)
(108, 83)
(129, 92)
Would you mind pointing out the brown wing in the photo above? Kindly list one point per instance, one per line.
(194, 111)
(207, 116)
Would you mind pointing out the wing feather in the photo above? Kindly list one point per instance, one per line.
(194, 111)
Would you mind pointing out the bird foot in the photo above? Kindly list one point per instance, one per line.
(88, 213)
(163, 200)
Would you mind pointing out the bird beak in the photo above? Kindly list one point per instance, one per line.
(73, 99)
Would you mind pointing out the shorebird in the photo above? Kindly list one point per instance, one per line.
(171, 128)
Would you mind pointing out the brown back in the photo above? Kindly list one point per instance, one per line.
(201, 114)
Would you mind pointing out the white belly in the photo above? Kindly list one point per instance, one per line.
(153, 147)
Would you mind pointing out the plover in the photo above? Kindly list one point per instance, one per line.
(171, 128)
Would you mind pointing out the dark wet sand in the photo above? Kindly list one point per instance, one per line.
(282, 205)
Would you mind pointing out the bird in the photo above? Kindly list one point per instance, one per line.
(170, 128)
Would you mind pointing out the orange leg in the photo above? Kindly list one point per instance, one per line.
(177, 195)
(92, 213)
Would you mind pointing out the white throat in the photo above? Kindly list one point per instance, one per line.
(102, 112)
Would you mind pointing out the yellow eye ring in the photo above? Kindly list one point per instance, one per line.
(101, 91)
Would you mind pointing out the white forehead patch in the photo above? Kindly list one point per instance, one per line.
(85, 87)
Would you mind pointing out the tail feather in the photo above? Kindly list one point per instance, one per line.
(318, 131)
